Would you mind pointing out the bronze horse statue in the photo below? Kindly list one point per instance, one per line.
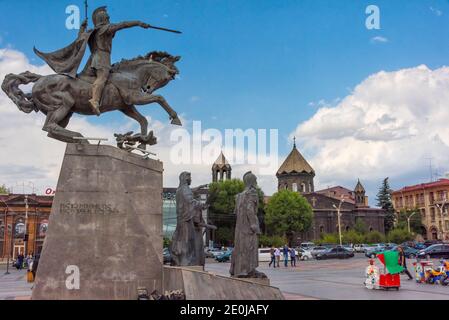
(131, 82)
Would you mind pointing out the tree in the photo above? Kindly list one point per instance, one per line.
(360, 226)
(3, 189)
(221, 202)
(399, 236)
(328, 238)
(384, 202)
(353, 237)
(275, 241)
(415, 220)
(288, 212)
(375, 237)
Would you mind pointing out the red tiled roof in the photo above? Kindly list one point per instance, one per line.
(435, 184)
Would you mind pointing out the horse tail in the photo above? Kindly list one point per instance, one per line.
(10, 85)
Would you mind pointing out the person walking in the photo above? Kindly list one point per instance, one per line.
(277, 254)
(403, 262)
(20, 259)
(285, 252)
(293, 257)
(273, 258)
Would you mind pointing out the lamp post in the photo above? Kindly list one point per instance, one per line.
(441, 209)
(6, 230)
(338, 217)
(408, 220)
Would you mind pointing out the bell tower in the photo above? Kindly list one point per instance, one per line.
(296, 174)
(221, 169)
(359, 194)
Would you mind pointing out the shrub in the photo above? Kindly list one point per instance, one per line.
(375, 237)
(268, 241)
(399, 236)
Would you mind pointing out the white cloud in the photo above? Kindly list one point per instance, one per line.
(29, 155)
(388, 126)
(437, 12)
(379, 39)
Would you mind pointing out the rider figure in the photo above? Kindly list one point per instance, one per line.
(100, 45)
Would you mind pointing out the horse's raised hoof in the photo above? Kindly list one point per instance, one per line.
(176, 121)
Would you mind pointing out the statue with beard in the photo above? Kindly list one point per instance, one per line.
(245, 257)
(183, 248)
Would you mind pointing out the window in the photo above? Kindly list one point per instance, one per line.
(432, 214)
(322, 229)
(294, 187)
(303, 187)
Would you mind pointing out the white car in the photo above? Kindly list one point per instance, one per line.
(305, 254)
(264, 255)
(360, 247)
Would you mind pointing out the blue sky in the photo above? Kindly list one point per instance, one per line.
(252, 64)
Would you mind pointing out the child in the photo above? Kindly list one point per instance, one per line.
(372, 276)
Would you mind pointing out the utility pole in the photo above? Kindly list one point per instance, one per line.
(338, 217)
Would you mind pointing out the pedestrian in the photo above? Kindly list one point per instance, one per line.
(273, 258)
(285, 252)
(20, 258)
(277, 254)
(29, 262)
(403, 262)
(293, 257)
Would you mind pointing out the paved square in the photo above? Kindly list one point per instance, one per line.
(338, 279)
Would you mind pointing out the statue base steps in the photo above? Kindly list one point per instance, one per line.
(201, 285)
(105, 231)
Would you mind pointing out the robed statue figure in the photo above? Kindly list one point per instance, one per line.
(245, 256)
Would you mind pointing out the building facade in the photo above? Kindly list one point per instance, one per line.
(296, 174)
(431, 200)
(23, 223)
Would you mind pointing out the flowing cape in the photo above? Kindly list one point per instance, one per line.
(67, 60)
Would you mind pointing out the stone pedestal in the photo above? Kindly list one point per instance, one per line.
(106, 223)
(201, 285)
(262, 281)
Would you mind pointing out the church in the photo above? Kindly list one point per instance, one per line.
(296, 174)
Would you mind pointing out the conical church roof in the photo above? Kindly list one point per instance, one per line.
(221, 162)
(295, 163)
(359, 187)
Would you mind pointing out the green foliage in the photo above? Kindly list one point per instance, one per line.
(268, 241)
(224, 236)
(360, 227)
(399, 236)
(330, 238)
(415, 220)
(353, 237)
(221, 202)
(288, 212)
(374, 237)
(384, 202)
(167, 242)
(4, 190)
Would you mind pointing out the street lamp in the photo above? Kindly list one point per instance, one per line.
(338, 217)
(441, 209)
(408, 220)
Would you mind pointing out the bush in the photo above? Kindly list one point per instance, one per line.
(268, 241)
(375, 237)
(330, 238)
(224, 236)
(167, 242)
(399, 236)
(353, 237)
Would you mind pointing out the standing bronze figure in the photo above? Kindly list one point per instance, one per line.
(100, 87)
(183, 247)
(245, 256)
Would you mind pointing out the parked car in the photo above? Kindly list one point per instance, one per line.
(429, 243)
(419, 246)
(225, 256)
(167, 256)
(318, 249)
(264, 255)
(304, 254)
(212, 252)
(307, 245)
(335, 253)
(409, 252)
(360, 247)
(436, 251)
(348, 247)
